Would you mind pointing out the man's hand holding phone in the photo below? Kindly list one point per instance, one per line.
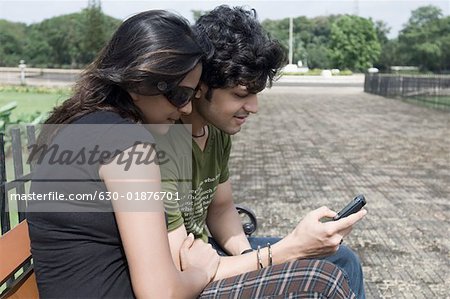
(313, 238)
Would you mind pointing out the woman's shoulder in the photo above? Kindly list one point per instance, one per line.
(103, 117)
(110, 129)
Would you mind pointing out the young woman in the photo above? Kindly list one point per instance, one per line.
(147, 73)
(97, 240)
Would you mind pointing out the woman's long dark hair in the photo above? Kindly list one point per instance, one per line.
(148, 48)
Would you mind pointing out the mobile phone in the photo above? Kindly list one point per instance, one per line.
(354, 206)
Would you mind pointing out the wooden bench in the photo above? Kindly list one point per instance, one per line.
(17, 279)
(15, 254)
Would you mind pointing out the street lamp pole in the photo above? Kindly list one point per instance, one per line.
(291, 38)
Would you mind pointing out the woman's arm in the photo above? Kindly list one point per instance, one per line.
(144, 235)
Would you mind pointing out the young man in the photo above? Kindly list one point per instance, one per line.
(245, 61)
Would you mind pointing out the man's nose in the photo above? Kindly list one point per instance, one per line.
(251, 104)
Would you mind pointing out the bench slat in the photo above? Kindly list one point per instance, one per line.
(14, 250)
(24, 287)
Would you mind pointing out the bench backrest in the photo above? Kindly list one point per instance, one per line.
(14, 254)
(17, 279)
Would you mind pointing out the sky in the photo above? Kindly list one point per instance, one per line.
(394, 13)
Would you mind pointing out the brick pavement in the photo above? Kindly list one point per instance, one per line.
(314, 146)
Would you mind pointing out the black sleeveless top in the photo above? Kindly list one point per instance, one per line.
(76, 245)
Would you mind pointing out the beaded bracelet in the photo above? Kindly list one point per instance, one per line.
(270, 254)
(258, 254)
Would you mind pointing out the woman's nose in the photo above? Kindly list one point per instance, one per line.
(187, 109)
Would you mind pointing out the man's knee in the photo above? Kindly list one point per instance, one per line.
(325, 276)
(348, 261)
(344, 255)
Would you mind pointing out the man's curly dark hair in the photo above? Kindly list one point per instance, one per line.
(244, 52)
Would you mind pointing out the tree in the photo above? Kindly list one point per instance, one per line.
(196, 14)
(424, 15)
(278, 29)
(382, 29)
(54, 42)
(310, 37)
(354, 43)
(12, 40)
(37, 51)
(94, 38)
(390, 55)
(424, 39)
(389, 48)
(445, 43)
(71, 40)
(319, 56)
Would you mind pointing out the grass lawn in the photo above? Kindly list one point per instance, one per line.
(34, 100)
(436, 102)
(29, 101)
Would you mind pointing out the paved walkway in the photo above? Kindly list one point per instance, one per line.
(314, 146)
(323, 144)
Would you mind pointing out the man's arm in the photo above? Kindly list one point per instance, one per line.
(224, 222)
(310, 239)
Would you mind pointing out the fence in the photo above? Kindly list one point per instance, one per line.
(432, 90)
(9, 218)
(39, 77)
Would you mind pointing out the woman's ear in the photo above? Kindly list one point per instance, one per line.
(198, 94)
(134, 96)
(201, 90)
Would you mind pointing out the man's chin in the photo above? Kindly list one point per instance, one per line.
(232, 131)
(229, 128)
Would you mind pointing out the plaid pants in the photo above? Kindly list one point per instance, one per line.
(297, 279)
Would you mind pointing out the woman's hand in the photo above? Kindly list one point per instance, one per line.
(194, 253)
(312, 238)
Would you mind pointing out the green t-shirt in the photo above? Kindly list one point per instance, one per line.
(208, 169)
